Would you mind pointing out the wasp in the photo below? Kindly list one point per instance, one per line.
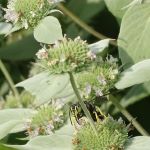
(77, 112)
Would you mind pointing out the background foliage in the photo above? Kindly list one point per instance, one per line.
(112, 19)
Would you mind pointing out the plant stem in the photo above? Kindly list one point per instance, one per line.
(9, 79)
(83, 106)
(83, 25)
(135, 123)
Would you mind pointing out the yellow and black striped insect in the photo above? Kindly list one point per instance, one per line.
(77, 112)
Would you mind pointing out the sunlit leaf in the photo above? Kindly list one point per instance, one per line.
(116, 7)
(46, 86)
(134, 35)
(136, 74)
(139, 143)
(61, 140)
(13, 120)
(5, 27)
(48, 30)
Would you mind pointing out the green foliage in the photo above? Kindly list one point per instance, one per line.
(13, 120)
(5, 27)
(61, 140)
(134, 47)
(52, 87)
(116, 7)
(138, 143)
(48, 30)
(136, 74)
(34, 121)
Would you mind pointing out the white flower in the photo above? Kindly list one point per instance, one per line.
(102, 80)
(42, 54)
(98, 92)
(33, 14)
(11, 15)
(88, 89)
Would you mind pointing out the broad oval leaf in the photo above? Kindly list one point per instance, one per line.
(13, 120)
(61, 140)
(139, 143)
(136, 74)
(116, 7)
(134, 35)
(51, 142)
(5, 27)
(48, 30)
(46, 86)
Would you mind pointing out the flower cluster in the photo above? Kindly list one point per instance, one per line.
(48, 118)
(111, 135)
(98, 79)
(65, 56)
(28, 12)
(25, 100)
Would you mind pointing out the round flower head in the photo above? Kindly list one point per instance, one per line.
(49, 118)
(111, 135)
(98, 79)
(27, 12)
(25, 100)
(66, 56)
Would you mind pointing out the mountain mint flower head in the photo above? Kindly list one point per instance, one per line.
(28, 12)
(98, 79)
(25, 100)
(111, 135)
(48, 118)
(65, 56)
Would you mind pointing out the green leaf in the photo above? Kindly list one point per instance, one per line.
(48, 30)
(20, 50)
(46, 86)
(83, 8)
(13, 120)
(99, 46)
(2, 147)
(7, 127)
(139, 143)
(134, 35)
(5, 27)
(135, 94)
(136, 74)
(116, 7)
(14, 28)
(58, 141)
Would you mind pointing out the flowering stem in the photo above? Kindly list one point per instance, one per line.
(83, 25)
(86, 111)
(135, 123)
(9, 79)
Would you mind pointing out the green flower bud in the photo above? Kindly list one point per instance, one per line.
(111, 135)
(25, 100)
(98, 79)
(65, 56)
(48, 118)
